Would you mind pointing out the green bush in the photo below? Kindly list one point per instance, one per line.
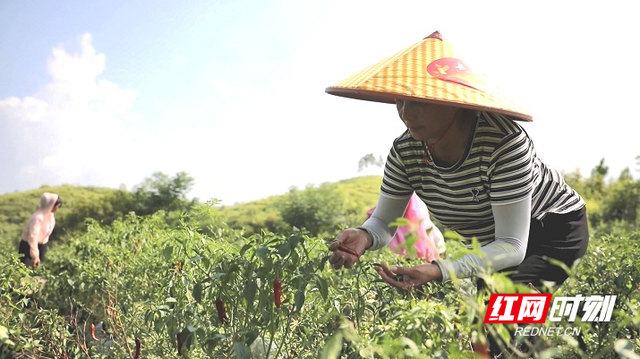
(317, 210)
(140, 278)
(158, 278)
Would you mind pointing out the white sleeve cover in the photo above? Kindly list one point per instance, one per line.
(387, 210)
(512, 222)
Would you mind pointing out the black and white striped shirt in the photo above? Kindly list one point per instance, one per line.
(499, 165)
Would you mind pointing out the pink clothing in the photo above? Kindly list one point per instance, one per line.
(41, 223)
(420, 224)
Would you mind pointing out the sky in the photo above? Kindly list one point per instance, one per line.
(232, 92)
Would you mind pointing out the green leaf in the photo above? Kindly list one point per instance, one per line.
(295, 258)
(409, 346)
(4, 337)
(503, 333)
(167, 251)
(245, 248)
(4, 332)
(284, 249)
(197, 292)
(624, 347)
(299, 299)
(323, 261)
(451, 235)
(249, 293)
(241, 350)
(251, 337)
(332, 349)
(323, 287)
(262, 252)
(401, 221)
(294, 241)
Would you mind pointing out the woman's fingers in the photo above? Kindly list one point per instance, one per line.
(393, 278)
(339, 263)
(341, 258)
(336, 260)
(344, 250)
(388, 271)
(334, 245)
(340, 239)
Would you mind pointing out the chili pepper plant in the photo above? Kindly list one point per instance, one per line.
(162, 291)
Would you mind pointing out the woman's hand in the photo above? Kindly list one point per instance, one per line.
(35, 262)
(409, 277)
(348, 246)
(35, 257)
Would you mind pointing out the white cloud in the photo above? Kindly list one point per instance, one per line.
(30, 109)
(82, 68)
(73, 130)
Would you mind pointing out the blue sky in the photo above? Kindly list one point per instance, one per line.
(232, 92)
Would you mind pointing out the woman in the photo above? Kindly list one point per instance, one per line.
(36, 234)
(474, 166)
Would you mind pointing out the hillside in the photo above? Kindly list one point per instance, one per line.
(357, 196)
(104, 204)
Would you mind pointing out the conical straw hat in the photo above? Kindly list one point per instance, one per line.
(428, 71)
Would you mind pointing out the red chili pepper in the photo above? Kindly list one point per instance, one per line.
(179, 344)
(222, 312)
(481, 349)
(346, 249)
(93, 332)
(277, 292)
(138, 344)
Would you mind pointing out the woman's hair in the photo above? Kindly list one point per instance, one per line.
(58, 202)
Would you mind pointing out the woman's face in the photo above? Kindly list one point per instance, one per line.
(425, 121)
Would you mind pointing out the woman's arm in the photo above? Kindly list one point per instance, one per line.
(508, 250)
(512, 222)
(34, 232)
(387, 211)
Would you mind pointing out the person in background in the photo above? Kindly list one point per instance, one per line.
(37, 231)
(429, 240)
